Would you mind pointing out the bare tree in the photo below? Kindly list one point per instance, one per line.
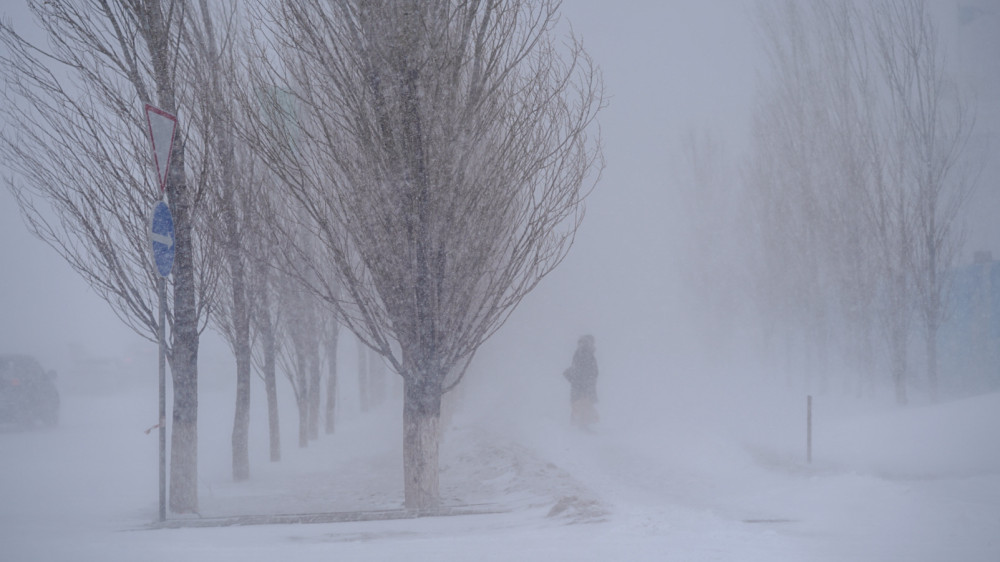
(76, 138)
(441, 157)
(865, 129)
(214, 70)
(266, 325)
(935, 126)
(300, 323)
(294, 353)
(273, 306)
(887, 201)
(892, 219)
(264, 294)
(791, 191)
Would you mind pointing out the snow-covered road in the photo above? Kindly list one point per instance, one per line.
(883, 486)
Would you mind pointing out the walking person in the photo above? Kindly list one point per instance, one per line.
(582, 377)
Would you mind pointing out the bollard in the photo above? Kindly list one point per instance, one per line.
(809, 429)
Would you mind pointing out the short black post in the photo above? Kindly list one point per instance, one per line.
(809, 429)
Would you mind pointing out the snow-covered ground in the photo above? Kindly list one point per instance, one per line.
(674, 478)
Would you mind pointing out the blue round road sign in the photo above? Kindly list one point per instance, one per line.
(162, 237)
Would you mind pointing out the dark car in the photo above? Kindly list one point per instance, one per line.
(28, 393)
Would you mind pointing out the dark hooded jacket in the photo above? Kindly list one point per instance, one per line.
(582, 373)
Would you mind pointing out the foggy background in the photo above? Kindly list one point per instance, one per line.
(635, 276)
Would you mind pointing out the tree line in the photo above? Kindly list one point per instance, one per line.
(851, 195)
(408, 170)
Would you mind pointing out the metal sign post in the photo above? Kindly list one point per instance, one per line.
(161, 288)
(161, 234)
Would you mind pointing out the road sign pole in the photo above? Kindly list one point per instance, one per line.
(161, 286)
(162, 126)
(162, 238)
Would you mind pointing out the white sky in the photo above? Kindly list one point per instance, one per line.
(669, 66)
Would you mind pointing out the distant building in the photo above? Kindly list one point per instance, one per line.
(970, 337)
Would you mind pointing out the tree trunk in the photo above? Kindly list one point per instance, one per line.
(184, 367)
(376, 379)
(183, 460)
(897, 354)
(303, 422)
(315, 381)
(271, 387)
(899, 368)
(301, 394)
(421, 439)
(932, 302)
(184, 356)
(241, 340)
(932, 360)
(184, 333)
(331, 381)
(241, 423)
(363, 377)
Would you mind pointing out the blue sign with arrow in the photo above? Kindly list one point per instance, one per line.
(162, 237)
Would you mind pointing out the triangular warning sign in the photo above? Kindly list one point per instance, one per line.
(161, 133)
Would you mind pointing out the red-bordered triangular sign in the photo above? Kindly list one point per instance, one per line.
(161, 133)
